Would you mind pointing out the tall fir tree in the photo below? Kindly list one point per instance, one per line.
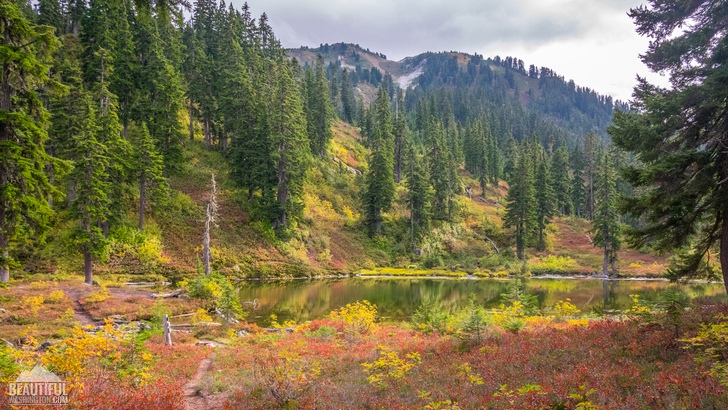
(679, 133)
(379, 190)
(521, 202)
(443, 172)
(149, 168)
(578, 189)
(319, 109)
(290, 149)
(348, 103)
(162, 97)
(419, 195)
(592, 146)
(607, 232)
(400, 137)
(91, 203)
(545, 202)
(561, 180)
(24, 185)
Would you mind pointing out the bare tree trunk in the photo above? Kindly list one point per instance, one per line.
(167, 330)
(724, 250)
(4, 267)
(142, 199)
(283, 189)
(210, 216)
(125, 131)
(605, 265)
(88, 267)
(207, 133)
(192, 123)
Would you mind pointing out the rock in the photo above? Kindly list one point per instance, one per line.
(117, 319)
(205, 343)
(2, 310)
(44, 346)
(95, 283)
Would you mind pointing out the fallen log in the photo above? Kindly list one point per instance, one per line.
(172, 294)
(279, 329)
(196, 324)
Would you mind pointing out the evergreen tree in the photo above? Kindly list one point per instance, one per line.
(24, 185)
(348, 104)
(400, 137)
(545, 201)
(521, 201)
(443, 172)
(578, 190)
(379, 190)
(510, 153)
(89, 174)
(592, 145)
(49, 14)
(320, 111)
(162, 95)
(236, 89)
(419, 195)
(118, 149)
(561, 181)
(110, 55)
(606, 218)
(290, 148)
(494, 159)
(679, 134)
(200, 65)
(149, 170)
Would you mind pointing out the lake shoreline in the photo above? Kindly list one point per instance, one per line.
(474, 278)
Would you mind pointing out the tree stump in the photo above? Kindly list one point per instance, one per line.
(167, 331)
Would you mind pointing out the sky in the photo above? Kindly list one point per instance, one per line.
(592, 42)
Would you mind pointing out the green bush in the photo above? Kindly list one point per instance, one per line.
(473, 322)
(323, 332)
(555, 265)
(430, 316)
(433, 260)
(216, 292)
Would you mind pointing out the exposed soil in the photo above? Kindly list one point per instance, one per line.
(195, 397)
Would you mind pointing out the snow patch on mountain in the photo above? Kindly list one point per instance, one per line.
(406, 80)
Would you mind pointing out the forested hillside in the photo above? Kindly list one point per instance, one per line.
(117, 117)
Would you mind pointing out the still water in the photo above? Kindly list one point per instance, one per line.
(396, 298)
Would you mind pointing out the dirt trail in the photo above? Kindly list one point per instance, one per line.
(79, 313)
(195, 399)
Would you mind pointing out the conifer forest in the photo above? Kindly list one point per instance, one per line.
(194, 216)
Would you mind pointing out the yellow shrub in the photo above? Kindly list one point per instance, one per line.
(324, 257)
(286, 376)
(578, 322)
(150, 251)
(467, 371)
(55, 297)
(76, 357)
(361, 316)
(41, 284)
(200, 316)
(287, 324)
(566, 308)
(32, 304)
(98, 295)
(390, 366)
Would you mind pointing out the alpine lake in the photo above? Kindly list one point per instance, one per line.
(396, 298)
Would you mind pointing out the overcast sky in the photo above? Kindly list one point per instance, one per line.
(592, 42)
